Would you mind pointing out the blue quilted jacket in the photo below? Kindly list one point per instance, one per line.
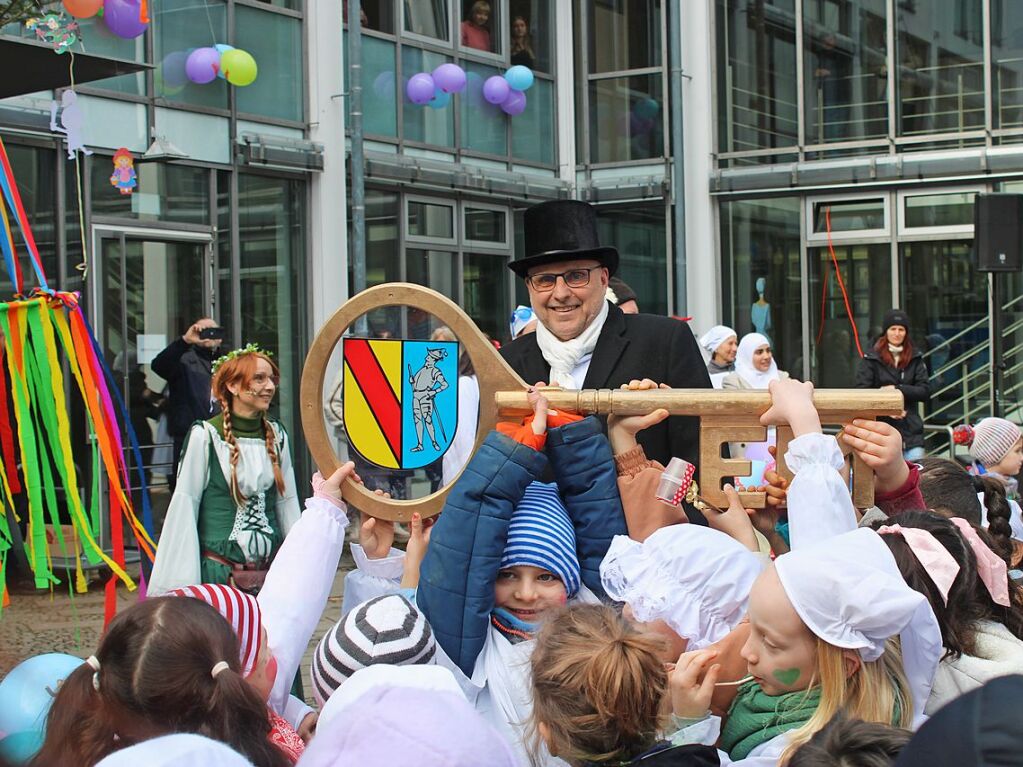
(456, 586)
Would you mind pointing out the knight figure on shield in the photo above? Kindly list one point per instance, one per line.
(427, 383)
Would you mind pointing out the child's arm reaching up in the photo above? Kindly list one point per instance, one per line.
(818, 500)
(879, 446)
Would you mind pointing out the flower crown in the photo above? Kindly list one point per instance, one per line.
(236, 353)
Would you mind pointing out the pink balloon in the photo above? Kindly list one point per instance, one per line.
(122, 17)
(450, 78)
(515, 104)
(496, 89)
(420, 88)
(202, 65)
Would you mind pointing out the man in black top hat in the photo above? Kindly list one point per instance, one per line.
(582, 340)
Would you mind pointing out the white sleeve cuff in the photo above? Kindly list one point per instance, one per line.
(390, 567)
(324, 506)
(814, 448)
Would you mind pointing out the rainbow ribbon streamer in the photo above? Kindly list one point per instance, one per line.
(43, 335)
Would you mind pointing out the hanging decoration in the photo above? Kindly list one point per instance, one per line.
(56, 29)
(72, 121)
(434, 89)
(124, 178)
(45, 332)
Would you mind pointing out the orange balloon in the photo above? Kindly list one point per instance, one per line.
(83, 9)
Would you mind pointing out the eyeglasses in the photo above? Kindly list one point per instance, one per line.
(574, 278)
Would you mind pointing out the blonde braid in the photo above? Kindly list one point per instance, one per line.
(236, 453)
(271, 450)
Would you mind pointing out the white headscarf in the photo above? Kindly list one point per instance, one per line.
(744, 362)
(695, 579)
(850, 593)
(716, 336)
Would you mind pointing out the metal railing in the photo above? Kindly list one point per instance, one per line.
(961, 386)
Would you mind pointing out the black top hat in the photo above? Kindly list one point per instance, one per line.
(562, 230)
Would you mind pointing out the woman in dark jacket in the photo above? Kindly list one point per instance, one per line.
(894, 363)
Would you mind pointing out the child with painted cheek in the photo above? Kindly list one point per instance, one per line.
(820, 621)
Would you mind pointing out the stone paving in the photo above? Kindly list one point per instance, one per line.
(38, 622)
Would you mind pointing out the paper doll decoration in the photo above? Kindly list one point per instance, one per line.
(760, 312)
(72, 120)
(124, 172)
(56, 29)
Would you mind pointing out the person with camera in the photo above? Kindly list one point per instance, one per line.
(186, 364)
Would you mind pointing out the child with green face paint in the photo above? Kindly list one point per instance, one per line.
(820, 620)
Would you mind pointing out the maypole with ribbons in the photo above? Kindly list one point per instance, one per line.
(43, 331)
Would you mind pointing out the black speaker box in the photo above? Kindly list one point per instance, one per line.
(998, 232)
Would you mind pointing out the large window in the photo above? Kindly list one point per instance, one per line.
(760, 275)
(639, 234)
(623, 92)
(756, 72)
(275, 41)
(176, 28)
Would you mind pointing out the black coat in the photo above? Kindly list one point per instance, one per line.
(186, 369)
(914, 383)
(635, 346)
(667, 755)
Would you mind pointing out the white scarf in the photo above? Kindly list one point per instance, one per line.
(744, 362)
(564, 356)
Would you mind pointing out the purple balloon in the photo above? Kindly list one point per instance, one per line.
(515, 104)
(420, 88)
(174, 73)
(122, 17)
(496, 89)
(450, 78)
(202, 65)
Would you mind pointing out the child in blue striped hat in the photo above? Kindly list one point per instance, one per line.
(539, 567)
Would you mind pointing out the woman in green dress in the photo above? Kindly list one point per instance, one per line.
(235, 498)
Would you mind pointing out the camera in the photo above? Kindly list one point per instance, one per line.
(209, 334)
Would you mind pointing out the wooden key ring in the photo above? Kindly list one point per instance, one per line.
(725, 415)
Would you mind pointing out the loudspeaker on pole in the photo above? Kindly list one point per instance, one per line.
(998, 232)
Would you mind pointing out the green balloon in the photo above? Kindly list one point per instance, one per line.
(239, 67)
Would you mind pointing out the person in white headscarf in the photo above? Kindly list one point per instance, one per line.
(755, 367)
(721, 343)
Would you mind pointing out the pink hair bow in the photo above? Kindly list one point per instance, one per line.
(990, 567)
(932, 556)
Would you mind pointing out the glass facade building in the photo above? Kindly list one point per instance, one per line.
(212, 229)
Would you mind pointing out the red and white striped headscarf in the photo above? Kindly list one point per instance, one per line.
(240, 609)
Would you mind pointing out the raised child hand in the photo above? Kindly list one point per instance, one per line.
(879, 446)
(376, 536)
(733, 521)
(792, 404)
(330, 488)
(691, 688)
(415, 550)
(622, 430)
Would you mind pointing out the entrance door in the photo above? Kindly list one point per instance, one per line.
(150, 288)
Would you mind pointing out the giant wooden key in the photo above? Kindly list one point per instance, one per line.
(724, 415)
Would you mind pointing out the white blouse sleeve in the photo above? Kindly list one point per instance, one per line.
(177, 553)
(372, 578)
(818, 500)
(297, 587)
(288, 510)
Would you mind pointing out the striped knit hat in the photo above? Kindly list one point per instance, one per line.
(385, 630)
(541, 535)
(240, 609)
(993, 438)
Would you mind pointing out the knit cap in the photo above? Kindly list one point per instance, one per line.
(387, 629)
(894, 317)
(993, 438)
(541, 535)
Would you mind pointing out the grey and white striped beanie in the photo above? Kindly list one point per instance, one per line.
(387, 630)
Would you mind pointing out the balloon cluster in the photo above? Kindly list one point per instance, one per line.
(125, 18)
(204, 65)
(435, 89)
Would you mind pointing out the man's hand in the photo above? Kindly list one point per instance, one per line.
(191, 336)
(622, 430)
(879, 446)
